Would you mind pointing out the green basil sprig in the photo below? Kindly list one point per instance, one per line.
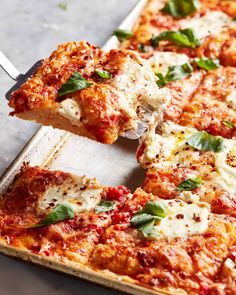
(228, 124)
(105, 206)
(184, 38)
(59, 213)
(76, 82)
(103, 74)
(189, 184)
(204, 141)
(123, 34)
(142, 48)
(181, 8)
(208, 63)
(174, 73)
(144, 220)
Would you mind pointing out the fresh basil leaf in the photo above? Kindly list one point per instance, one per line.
(174, 73)
(228, 124)
(185, 38)
(204, 141)
(154, 208)
(105, 206)
(208, 64)
(181, 8)
(144, 220)
(103, 74)
(142, 48)
(75, 83)
(123, 34)
(161, 82)
(59, 213)
(234, 18)
(189, 184)
(147, 228)
(141, 218)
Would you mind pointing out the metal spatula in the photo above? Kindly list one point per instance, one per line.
(12, 71)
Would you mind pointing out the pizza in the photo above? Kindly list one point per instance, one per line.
(87, 91)
(171, 84)
(204, 29)
(158, 243)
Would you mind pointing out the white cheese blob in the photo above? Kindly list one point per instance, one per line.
(226, 173)
(81, 193)
(137, 81)
(212, 23)
(231, 99)
(182, 219)
(70, 110)
(160, 61)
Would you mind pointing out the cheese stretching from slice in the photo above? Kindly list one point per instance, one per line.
(81, 193)
(182, 219)
(212, 23)
(161, 61)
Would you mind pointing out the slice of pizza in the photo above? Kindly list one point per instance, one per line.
(56, 214)
(87, 91)
(192, 165)
(167, 244)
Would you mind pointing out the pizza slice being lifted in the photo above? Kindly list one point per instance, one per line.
(87, 91)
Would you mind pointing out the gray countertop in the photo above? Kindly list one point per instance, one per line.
(30, 30)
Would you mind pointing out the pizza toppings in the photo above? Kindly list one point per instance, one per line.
(171, 219)
(122, 34)
(76, 82)
(144, 220)
(185, 38)
(160, 61)
(212, 23)
(104, 206)
(103, 74)
(181, 8)
(228, 124)
(204, 141)
(61, 212)
(82, 194)
(189, 184)
(207, 64)
(174, 73)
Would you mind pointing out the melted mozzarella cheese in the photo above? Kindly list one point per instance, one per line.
(182, 219)
(226, 174)
(160, 61)
(231, 99)
(171, 148)
(212, 23)
(70, 110)
(137, 81)
(82, 194)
